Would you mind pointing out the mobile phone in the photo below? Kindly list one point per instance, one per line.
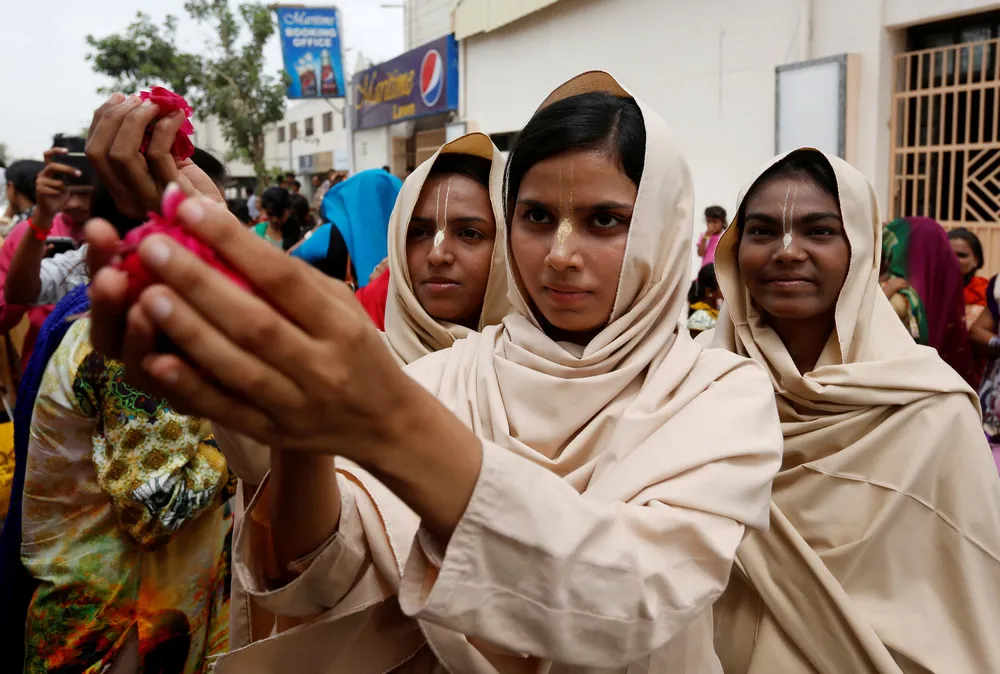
(79, 161)
(59, 244)
(75, 158)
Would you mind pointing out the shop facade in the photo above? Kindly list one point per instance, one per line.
(401, 108)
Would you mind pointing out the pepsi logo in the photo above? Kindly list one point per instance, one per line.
(431, 77)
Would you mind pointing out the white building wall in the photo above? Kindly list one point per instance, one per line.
(707, 66)
(372, 148)
(286, 155)
(426, 20)
(900, 13)
(208, 136)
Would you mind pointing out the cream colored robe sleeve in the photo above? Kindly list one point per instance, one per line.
(536, 568)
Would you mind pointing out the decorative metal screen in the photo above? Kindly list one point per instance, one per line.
(946, 139)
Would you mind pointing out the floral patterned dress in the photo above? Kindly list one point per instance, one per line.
(127, 524)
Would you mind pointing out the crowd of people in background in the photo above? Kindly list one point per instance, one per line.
(485, 418)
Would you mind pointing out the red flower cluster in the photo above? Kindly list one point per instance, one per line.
(139, 277)
(169, 102)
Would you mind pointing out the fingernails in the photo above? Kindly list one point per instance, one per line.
(170, 376)
(146, 104)
(134, 98)
(191, 211)
(154, 252)
(77, 173)
(116, 97)
(160, 308)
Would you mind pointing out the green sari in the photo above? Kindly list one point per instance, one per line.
(895, 245)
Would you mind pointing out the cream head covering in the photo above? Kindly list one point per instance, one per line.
(410, 331)
(609, 504)
(884, 548)
(870, 359)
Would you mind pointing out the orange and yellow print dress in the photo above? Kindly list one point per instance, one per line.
(127, 525)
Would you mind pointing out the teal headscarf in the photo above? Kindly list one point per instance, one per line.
(360, 208)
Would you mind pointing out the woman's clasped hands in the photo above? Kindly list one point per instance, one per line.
(297, 365)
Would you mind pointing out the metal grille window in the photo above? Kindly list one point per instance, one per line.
(327, 122)
(946, 137)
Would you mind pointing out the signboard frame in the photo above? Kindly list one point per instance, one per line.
(311, 49)
(421, 82)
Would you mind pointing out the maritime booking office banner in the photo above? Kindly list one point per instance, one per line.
(310, 43)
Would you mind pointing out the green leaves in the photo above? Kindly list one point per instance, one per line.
(227, 80)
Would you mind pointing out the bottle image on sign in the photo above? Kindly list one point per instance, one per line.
(307, 77)
(328, 78)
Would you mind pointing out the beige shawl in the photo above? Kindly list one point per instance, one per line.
(410, 332)
(609, 505)
(884, 548)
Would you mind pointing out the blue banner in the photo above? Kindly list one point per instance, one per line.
(310, 43)
(421, 82)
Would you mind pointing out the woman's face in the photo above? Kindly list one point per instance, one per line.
(803, 280)
(449, 248)
(568, 235)
(966, 258)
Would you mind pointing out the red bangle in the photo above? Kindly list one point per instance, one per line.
(39, 234)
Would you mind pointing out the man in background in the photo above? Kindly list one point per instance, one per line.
(20, 192)
(252, 207)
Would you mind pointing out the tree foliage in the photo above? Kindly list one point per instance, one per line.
(226, 81)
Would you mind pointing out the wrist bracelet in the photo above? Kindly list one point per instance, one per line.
(994, 343)
(39, 233)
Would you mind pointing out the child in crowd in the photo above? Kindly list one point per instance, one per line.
(715, 223)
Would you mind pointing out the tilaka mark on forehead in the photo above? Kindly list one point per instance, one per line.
(565, 217)
(442, 222)
(786, 225)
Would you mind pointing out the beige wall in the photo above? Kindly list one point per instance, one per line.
(720, 103)
(708, 66)
(900, 13)
(426, 20)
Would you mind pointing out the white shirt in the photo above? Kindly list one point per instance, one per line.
(61, 273)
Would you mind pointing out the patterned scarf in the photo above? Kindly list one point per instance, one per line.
(16, 585)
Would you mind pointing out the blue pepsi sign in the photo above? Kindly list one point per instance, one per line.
(310, 44)
(421, 82)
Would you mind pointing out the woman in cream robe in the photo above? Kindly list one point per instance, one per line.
(883, 553)
(607, 510)
(410, 333)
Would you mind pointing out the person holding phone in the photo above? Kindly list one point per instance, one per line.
(63, 193)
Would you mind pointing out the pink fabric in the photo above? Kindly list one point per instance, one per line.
(932, 270)
(709, 256)
(10, 315)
